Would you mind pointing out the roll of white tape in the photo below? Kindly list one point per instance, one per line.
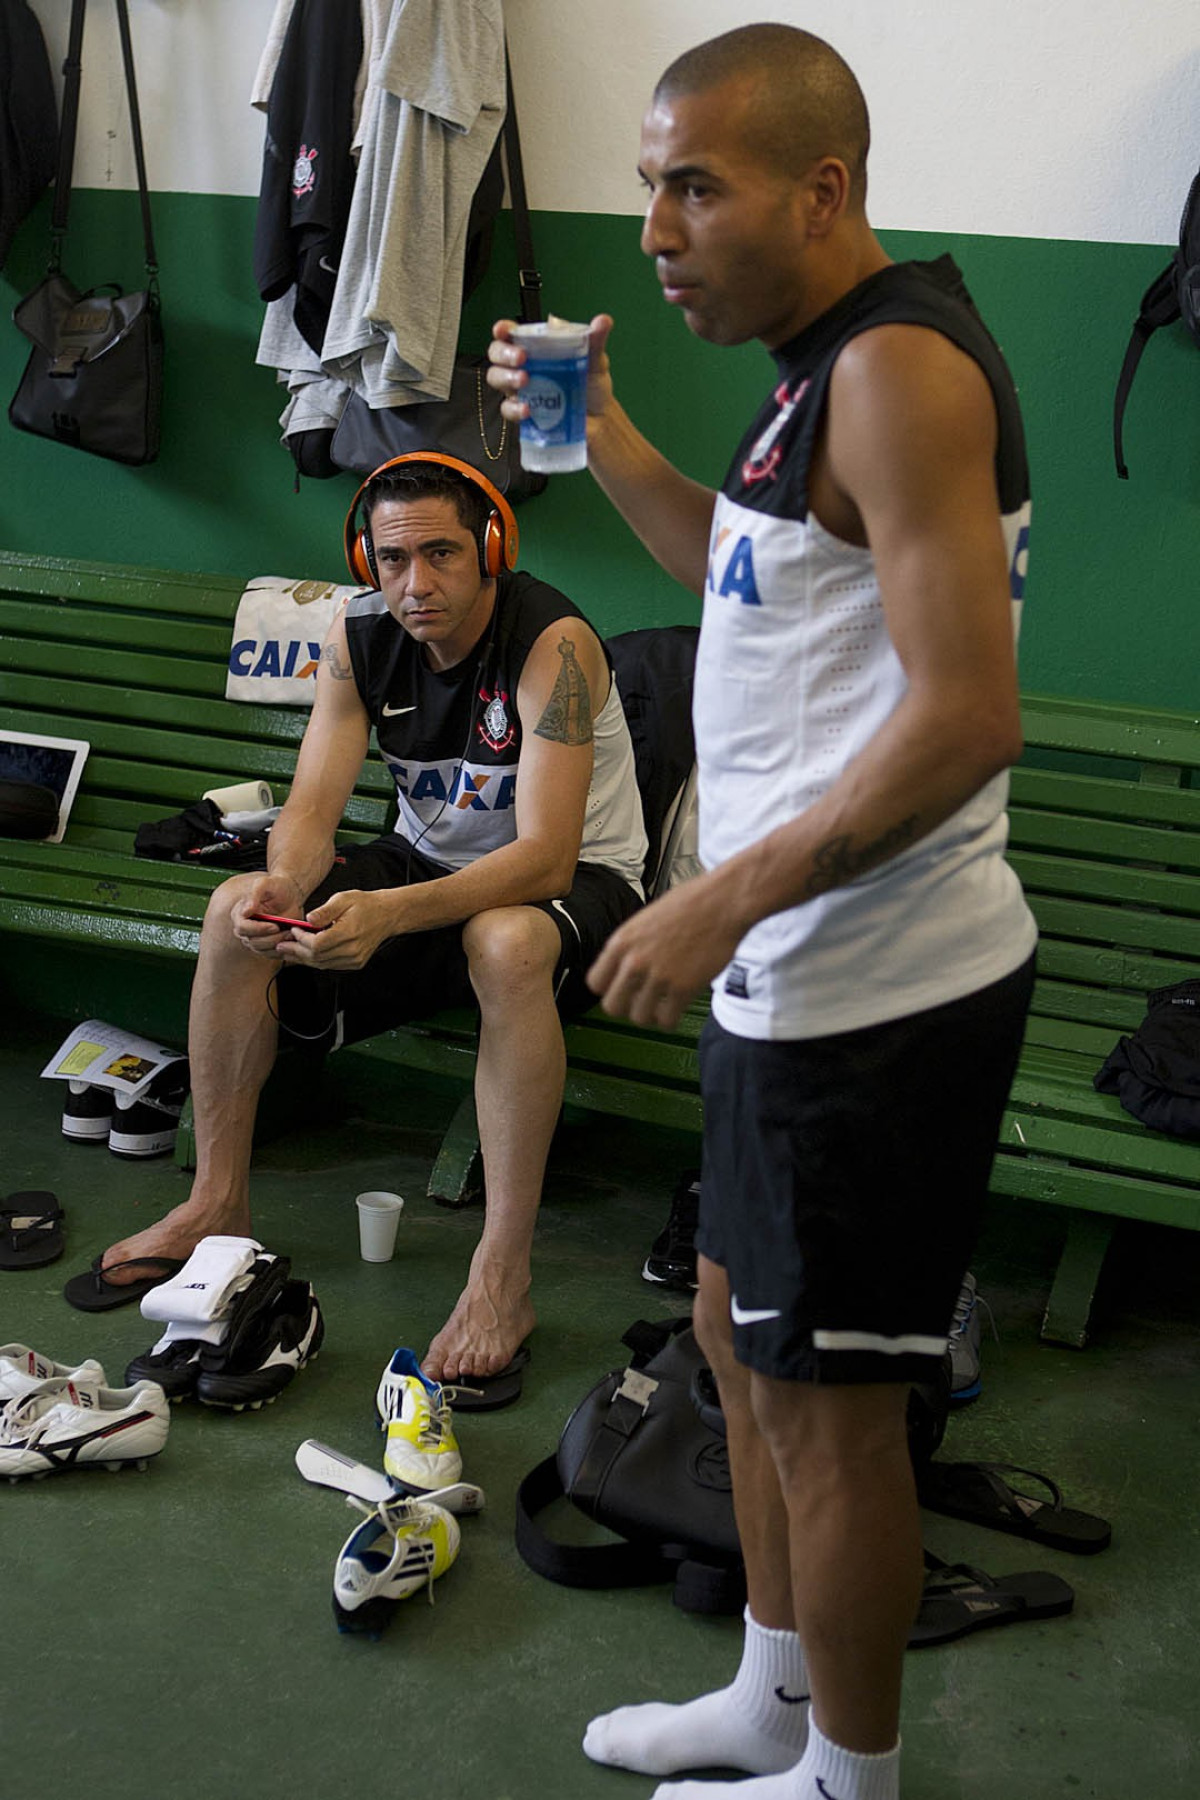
(243, 796)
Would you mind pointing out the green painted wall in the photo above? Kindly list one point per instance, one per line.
(1112, 599)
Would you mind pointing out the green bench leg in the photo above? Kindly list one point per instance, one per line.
(185, 1143)
(457, 1176)
(1088, 1237)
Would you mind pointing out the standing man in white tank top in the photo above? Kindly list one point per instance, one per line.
(869, 950)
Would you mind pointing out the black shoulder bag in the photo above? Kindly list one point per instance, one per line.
(93, 380)
(469, 423)
(644, 1455)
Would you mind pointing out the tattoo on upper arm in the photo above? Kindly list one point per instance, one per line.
(568, 715)
(337, 664)
(837, 862)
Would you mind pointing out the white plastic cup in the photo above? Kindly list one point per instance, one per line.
(378, 1217)
(554, 436)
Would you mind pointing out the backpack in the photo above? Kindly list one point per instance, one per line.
(1155, 1073)
(644, 1455)
(655, 668)
(1175, 294)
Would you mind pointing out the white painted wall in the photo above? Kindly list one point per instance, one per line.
(1037, 118)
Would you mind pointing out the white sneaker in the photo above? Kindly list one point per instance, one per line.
(401, 1547)
(22, 1370)
(87, 1112)
(422, 1450)
(964, 1344)
(64, 1423)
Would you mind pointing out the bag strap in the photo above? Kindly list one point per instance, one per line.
(528, 273)
(139, 155)
(698, 1587)
(72, 80)
(1160, 306)
(581, 1565)
(72, 74)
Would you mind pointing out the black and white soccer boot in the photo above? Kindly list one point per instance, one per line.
(264, 1351)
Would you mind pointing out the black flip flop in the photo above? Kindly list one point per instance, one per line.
(93, 1292)
(959, 1599)
(486, 1393)
(978, 1492)
(30, 1229)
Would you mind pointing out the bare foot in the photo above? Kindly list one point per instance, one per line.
(177, 1235)
(491, 1321)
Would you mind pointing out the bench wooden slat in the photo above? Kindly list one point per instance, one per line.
(1056, 1002)
(1066, 794)
(60, 630)
(110, 584)
(1115, 841)
(106, 930)
(1069, 875)
(1099, 728)
(1127, 927)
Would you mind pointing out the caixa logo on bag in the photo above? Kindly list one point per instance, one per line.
(267, 657)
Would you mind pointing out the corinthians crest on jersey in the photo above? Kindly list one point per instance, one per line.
(496, 729)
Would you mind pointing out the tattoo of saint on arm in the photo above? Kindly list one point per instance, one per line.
(568, 715)
(338, 665)
(837, 861)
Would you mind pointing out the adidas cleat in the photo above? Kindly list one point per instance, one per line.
(66, 1424)
(422, 1451)
(258, 1360)
(23, 1371)
(401, 1547)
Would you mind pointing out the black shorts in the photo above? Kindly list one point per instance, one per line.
(843, 1179)
(416, 974)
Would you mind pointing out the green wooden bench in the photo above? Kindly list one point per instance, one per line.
(1105, 836)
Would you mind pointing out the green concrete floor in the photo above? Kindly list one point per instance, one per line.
(169, 1634)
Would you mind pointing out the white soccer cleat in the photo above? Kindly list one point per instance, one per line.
(66, 1424)
(401, 1547)
(422, 1450)
(23, 1370)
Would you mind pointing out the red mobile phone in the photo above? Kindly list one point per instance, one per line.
(298, 924)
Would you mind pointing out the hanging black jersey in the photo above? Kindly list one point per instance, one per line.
(308, 172)
(452, 737)
(796, 673)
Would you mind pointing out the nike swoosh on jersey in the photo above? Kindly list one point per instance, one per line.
(392, 712)
(750, 1315)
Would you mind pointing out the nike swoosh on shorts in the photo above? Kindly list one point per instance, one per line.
(392, 712)
(750, 1315)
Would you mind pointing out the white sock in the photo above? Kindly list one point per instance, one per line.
(200, 1291)
(827, 1772)
(758, 1723)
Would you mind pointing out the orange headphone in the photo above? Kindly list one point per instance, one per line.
(497, 540)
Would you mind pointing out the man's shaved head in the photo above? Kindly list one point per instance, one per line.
(802, 101)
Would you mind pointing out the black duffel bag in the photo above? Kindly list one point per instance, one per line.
(644, 1455)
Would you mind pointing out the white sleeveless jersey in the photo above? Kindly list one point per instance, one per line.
(796, 673)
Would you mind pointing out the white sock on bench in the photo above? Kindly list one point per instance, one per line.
(758, 1723)
(205, 1285)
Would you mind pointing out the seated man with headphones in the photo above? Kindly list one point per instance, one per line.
(518, 848)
